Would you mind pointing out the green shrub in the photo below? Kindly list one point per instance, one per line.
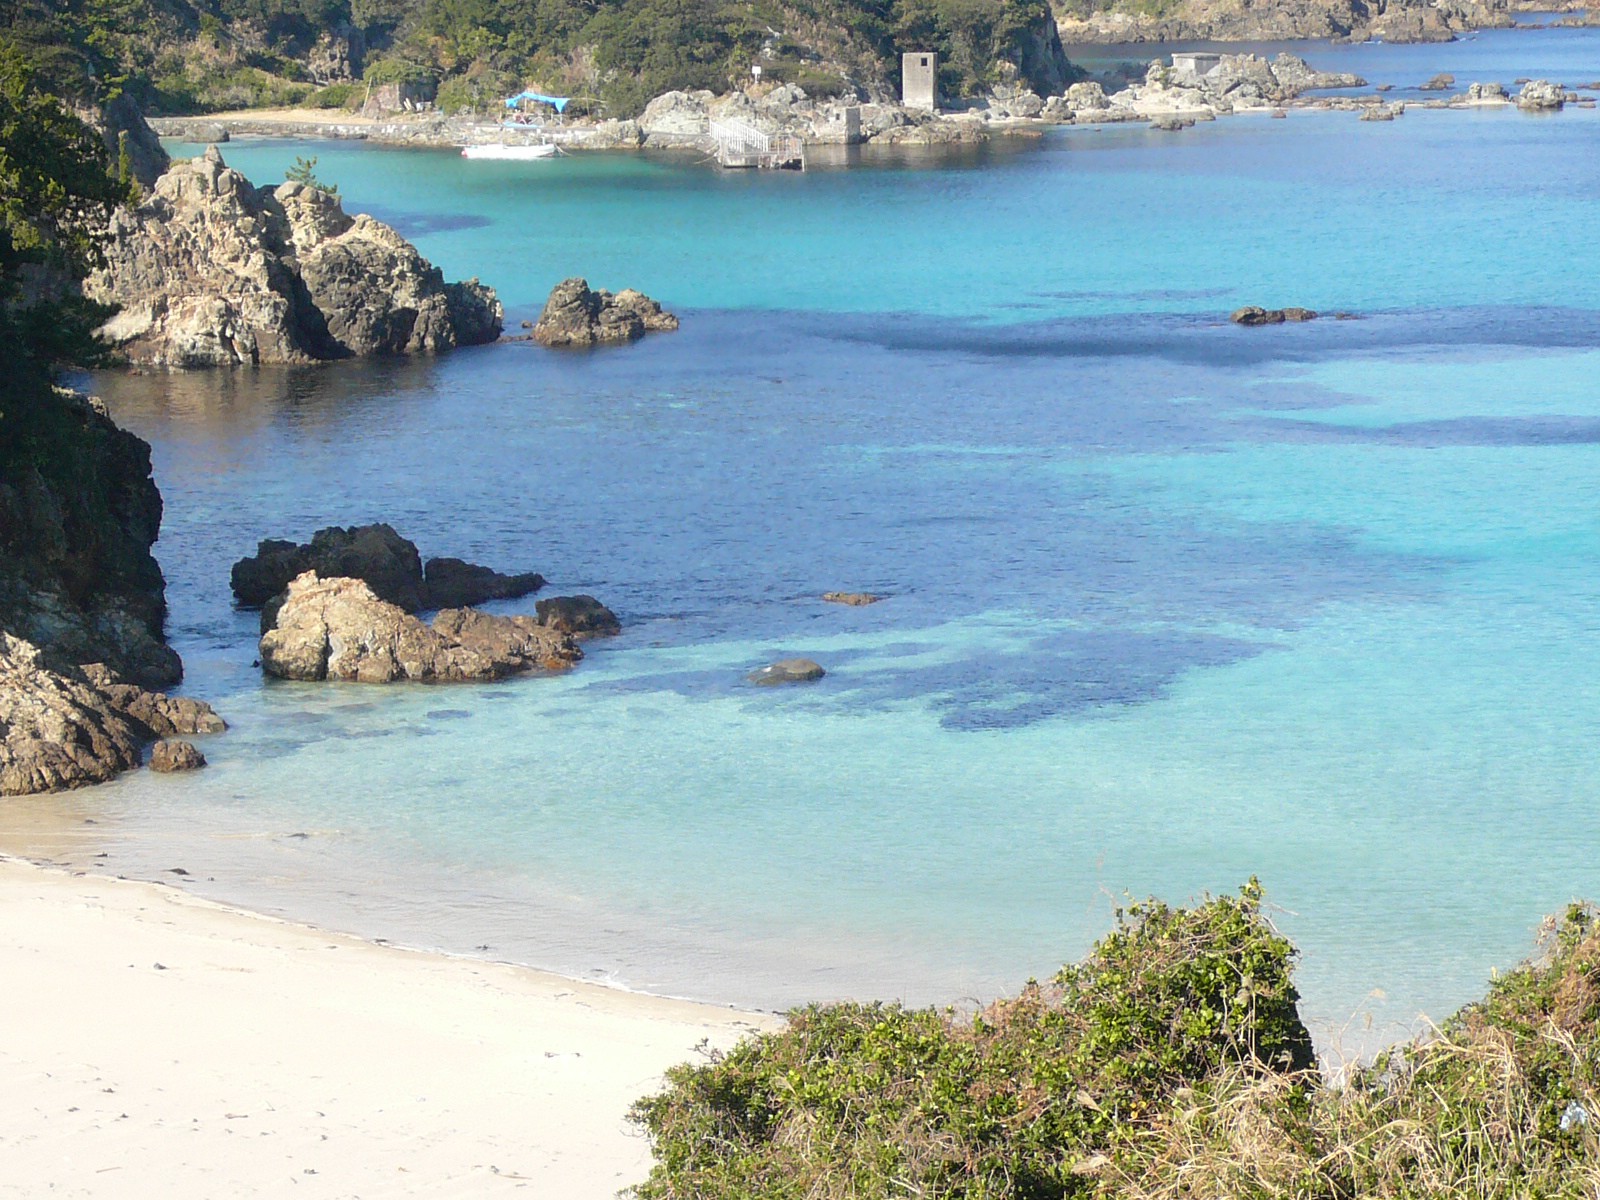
(336, 95)
(1025, 1100)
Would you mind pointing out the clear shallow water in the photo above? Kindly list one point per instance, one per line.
(1172, 603)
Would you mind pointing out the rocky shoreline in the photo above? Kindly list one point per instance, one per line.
(683, 121)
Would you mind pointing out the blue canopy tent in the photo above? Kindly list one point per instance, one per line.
(559, 103)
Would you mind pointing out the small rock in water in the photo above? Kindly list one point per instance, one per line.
(790, 670)
(171, 754)
(1441, 82)
(1254, 314)
(579, 616)
(855, 599)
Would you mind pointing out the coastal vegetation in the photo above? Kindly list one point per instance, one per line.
(57, 187)
(184, 56)
(1171, 1062)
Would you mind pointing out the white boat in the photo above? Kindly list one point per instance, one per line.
(501, 150)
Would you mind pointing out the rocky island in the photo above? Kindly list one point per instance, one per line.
(210, 270)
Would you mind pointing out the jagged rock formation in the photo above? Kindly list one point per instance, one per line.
(130, 141)
(212, 271)
(576, 315)
(1540, 95)
(580, 616)
(63, 726)
(337, 629)
(378, 556)
(1237, 81)
(1087, 21)
(77, 520)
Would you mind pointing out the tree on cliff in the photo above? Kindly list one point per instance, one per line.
(56, 189)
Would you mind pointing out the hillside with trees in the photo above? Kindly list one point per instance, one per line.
(191, 56)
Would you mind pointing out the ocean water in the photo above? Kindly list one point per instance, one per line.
(1170, 603)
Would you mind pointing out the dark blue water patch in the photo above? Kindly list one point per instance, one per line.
(1456, 431)
(798, 454)
(422, 224)
(1212, 340)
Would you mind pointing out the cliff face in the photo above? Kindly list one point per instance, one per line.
(212, 271)
(82, 600)
(78, 515)
(1091, 21)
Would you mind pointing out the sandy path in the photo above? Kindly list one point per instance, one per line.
(154, 1044)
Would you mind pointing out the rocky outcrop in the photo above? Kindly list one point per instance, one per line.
(580, 616)
(1284, 20)
(211, 271)
(171, 754)
(1253, 315)
(77, 520)
(854, 599)
(1487, 93)
(789, 670)
(64, 726)
(1237, 81)
(1540, 95)
(130, 141)
(337, 629)
(578, 316)
(377, 555)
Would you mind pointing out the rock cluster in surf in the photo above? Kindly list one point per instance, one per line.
(577, 315)
(377, 555)
(338, 629)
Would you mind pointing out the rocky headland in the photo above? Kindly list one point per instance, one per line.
(1109, 21)
(83, 657)
(210, 270)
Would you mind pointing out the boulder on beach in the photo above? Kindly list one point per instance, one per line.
(338, 629)
(577, 315)
(789, 670)
(171, 754)
(580, 616)
(385, 561)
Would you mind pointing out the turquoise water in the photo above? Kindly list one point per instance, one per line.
(1171, 603)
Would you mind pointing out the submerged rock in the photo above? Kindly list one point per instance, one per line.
(1252, 314)
(338, 629)
(170, 755)
(580, 616)
(789, 670)
(576, 315)
(62, 726)
(853, 599)
(385, 561)
(212, 271)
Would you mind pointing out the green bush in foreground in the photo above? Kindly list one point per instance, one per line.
(1027, 1099)
(1171, 1063)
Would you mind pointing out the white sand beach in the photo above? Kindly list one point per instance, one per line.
(155, 1044)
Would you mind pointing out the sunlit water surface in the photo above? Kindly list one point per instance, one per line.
(1170, 603)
